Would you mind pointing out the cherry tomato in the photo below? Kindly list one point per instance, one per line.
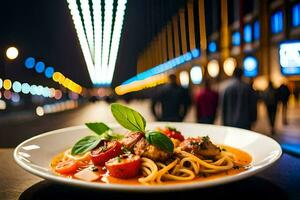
(124, 167)
(67, 167)
(174, 134)
(103, 153)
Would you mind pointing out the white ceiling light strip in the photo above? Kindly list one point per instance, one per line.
(82, 39)
(116, 38)
(100, 43)
(97, 14)
(108, 14)
(88, 24)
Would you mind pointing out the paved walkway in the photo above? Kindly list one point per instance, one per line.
(15, 130)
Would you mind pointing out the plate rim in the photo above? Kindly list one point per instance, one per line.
(144, 188)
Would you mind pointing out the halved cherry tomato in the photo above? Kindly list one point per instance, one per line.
(173, 134)
(103, 153)
(66, 167)
(124, 167)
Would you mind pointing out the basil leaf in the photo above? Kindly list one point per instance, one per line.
(160, 140)
(128, 118)
(109, 135)
(85, 144)
(98, 127)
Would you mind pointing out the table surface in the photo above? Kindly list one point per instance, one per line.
(282, 180)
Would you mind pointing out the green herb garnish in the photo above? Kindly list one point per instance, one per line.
(103, 132)
(160, 140)
(128, 118)
(134, 121)
(85, 144)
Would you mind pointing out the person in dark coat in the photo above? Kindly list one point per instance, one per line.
(270, 97)
(238, 103)
(206, 101)
(172, 101)
(284, 94)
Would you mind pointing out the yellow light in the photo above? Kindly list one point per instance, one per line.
(67, 83)
(12, 53)
(56, 76)
(7, 84)
(39, 111)
(229, 66)
(213, 68)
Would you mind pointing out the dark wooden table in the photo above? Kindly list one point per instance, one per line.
(282, 180)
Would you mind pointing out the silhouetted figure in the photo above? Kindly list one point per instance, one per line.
(173, 101)
(270, 97)
(206, 104)
(238, 103)
(284, 94)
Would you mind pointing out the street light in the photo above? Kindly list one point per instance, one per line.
(12, 53)
(213, 68)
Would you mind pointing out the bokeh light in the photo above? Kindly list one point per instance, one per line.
(2, 105)
(39, 67)
(17, 86)
(15, 97)
(12, 53)
(1, 83)
(184, 79)
(33, 89)
(196, 75)
(49, 72)
(229, 66)
(58, 94)
(213, 68)
(7, 94)
(29, 62)
(39, 111)
(7, 84)
(25, 88)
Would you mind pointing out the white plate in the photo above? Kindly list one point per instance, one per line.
(35, 154)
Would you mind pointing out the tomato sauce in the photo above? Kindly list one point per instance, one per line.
(242, 157)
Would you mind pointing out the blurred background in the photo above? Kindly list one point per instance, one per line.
(62, 62)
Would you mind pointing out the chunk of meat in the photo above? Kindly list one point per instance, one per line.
(131, 139)
(200, 146)
(143, 148)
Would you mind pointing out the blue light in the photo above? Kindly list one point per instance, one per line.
(212, 47)
(195, 53)
(256, 30)
(173, 63)
(236, 39)
(188, 56)
(49, 72)
(277, 22)
(250, 66)
(247, 33)
(296, 15)
(29, 62)
(39, 67)
(17, 86)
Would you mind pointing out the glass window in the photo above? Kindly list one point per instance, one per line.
(236, 38)
(247, 33)
(256, 30)
(296, 15)
(277, 22)
(212, 47)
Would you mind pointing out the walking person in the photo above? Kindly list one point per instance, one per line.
(206, 101)
(270, 97)
(171, 102)
(284, 94)
(238, 103)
